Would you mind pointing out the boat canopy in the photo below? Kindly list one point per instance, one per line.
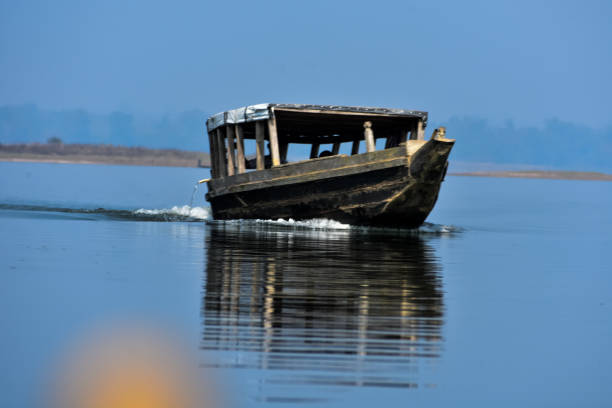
(282, 125)
(318, 113)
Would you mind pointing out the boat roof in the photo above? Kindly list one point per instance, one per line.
(264, 111)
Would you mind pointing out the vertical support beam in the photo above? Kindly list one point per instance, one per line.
(420, 131)
(314, 151)
(273, 136)
(389, 142)
(222, 167)
(397, 137)
(231, 153)
(213, 158)
(336, 148)
(355, 147)
(284, 148)
(216, 157)
(417, 132)
(259, 139)
(403, 135)
(240, 149)
(369, 137)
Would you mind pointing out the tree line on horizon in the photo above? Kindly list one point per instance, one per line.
(557, 144)
(57, 147)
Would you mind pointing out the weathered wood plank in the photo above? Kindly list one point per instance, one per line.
(273, 136)
(212, 150)
(260, 148)
(355, 147)
(420, 131)
(320, 167)
(284, 148)
(314, 151)
(221, 155)
(397, 137)
(240, 149)
(389, 142)
(336, 148)
(231, 153)
(403, 135)
(279, 180)
(379, 188)
(350, 191)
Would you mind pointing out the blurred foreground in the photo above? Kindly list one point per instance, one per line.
(131, 368)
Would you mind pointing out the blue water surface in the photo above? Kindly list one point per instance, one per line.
(504, 299)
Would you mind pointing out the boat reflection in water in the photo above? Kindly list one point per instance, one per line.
(321, 308)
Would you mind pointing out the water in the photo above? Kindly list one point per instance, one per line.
(193, 194)
(502, 299)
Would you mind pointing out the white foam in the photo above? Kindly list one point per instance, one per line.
(200, 213)
(429, 228)
(315, 223)
(323, 224)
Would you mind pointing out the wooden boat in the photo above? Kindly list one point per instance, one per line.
(396, 184)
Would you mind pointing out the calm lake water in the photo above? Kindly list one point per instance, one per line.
(504, 299)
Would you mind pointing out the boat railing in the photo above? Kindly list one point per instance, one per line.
(227, 141)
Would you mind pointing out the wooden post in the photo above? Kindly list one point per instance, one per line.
(369, 136)
(221, 168)
(396, 138)
(420, 132)
(355, 148)
(231, 153)
(284, 148)
(314, 151)
(336, 148)
(416, 131)
(240, 148)
(390, 141)
(213, 152)
(273, 136)
(259, 139)
(403, 135)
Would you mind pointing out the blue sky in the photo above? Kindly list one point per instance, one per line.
(523, 60)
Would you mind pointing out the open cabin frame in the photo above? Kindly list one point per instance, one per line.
(361, 188)
(313, 125)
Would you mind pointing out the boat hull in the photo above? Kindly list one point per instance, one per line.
(392, 188)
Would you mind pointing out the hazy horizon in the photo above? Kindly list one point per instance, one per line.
(514, 82)
(553, 145)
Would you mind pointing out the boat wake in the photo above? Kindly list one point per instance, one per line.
(323, 224)
(177, 213)
(312, 224)
(187, 213)
(438, 229)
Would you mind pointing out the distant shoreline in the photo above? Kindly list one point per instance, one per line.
(140, 156)
(539, 174)
(102, 154)
(143, 161)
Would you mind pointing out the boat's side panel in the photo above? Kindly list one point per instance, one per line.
(395, 191)
(327, 167)
(357, 199)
